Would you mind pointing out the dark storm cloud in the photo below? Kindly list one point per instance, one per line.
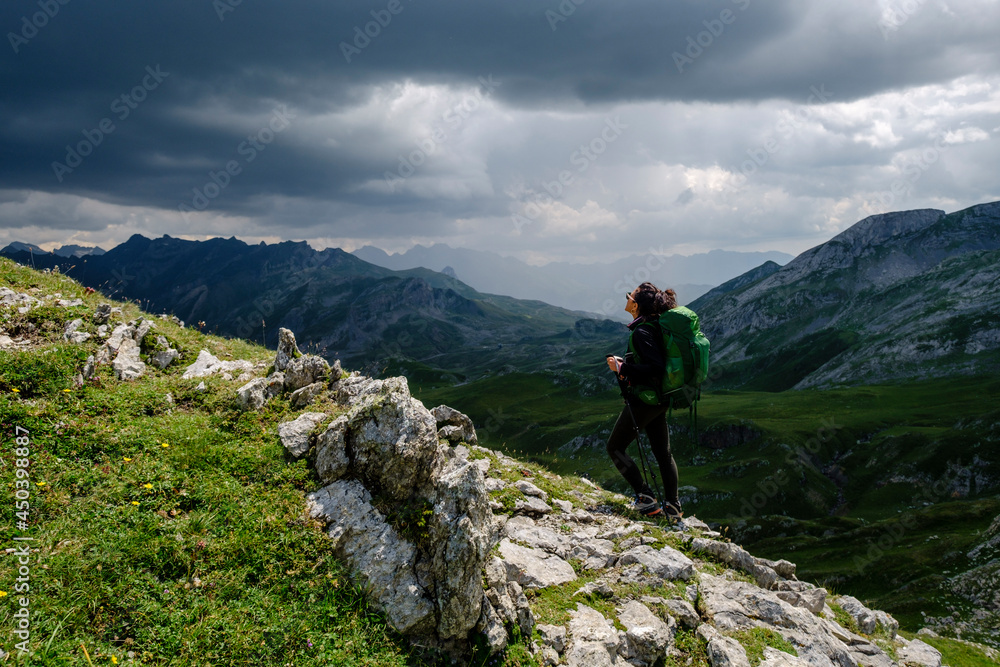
(168, 99)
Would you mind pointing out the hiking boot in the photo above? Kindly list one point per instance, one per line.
(672, 512)
(646, 505)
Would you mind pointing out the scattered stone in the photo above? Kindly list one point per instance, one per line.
(553, 636)
(252, 395)
(598, 588)
(529, 489)
(727, 652)
(208, 364)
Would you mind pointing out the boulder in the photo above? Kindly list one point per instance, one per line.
(331, 451)
(647, 638)
(868, 620)
(305, 370)
(727, 652)
(295, 434)
(534, 568)
(300, 398)
(454, 426)
(128, 363)
(208, 364)
(595, 640)
(287, 349)
(251, 395)
(667, 563)
(919, 654)
(375, 552)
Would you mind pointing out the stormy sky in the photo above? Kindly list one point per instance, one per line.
(548, 130)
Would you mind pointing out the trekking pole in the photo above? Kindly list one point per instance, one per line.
(638, 443)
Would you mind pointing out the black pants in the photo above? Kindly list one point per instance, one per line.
(653, 419)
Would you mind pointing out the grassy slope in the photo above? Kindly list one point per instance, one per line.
(174, 531)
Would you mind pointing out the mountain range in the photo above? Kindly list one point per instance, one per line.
(592, 287)
(341, 305)
(897, 296)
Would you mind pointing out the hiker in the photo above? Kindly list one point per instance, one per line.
(644, 304)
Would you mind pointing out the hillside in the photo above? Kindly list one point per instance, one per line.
(177, 513)
(896, 297)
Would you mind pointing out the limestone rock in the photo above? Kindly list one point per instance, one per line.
(775, 658)
(868, 620)
(734, 555)
(595, 640)
(371, 547)
(287, 349)
(300, 398)
(454, 426)
(331, 451)
(647, 638)
(919, 654)
(72, 335)
(727, 652)
(491, 625)
(460, 532)
(553, 636)
(252, 395)
(208, 364)
(305, 370)
(295, 434)
(128, 363)
(667, 563)
(534, 568)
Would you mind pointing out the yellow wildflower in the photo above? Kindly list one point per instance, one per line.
(147, 486)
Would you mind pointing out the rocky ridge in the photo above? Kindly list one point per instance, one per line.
(460, 546)
(900, 295)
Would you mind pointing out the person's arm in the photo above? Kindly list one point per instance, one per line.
(649, 344)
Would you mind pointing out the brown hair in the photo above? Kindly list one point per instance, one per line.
(653, 301)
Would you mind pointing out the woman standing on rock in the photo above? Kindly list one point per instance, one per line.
(643, 365)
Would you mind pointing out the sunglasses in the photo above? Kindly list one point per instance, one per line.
(628, 296)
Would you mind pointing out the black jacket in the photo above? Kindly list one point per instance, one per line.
(647, 340)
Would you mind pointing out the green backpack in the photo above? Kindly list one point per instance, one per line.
(686, 352)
